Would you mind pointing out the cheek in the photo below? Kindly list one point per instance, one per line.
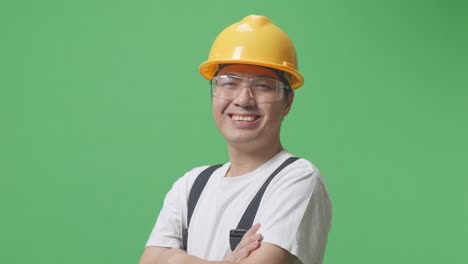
(218, 108)
(275, 114)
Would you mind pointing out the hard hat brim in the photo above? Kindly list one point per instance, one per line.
(209, 68)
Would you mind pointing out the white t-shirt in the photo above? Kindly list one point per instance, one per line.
(295, 211)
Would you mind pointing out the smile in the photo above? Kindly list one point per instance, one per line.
(248, 118)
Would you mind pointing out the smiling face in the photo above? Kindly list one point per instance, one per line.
(244, 121)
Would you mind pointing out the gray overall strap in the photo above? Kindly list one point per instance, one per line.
(194, 195)
(248, 217)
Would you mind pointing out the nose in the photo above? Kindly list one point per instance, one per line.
(244, 98)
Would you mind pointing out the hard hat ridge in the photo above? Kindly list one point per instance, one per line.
(253, 22)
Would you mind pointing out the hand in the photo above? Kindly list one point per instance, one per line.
(250, 242)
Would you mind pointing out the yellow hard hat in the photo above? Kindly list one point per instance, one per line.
(256, 41)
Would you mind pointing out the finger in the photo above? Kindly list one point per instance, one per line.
(252, 246)
(252, 238)
(247, 247)
(253, 229)
(245, 251)
(249, 233)
(249, 239)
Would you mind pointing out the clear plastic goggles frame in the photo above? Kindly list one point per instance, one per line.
(263, 90)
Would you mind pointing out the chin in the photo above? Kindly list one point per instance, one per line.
(241, 139)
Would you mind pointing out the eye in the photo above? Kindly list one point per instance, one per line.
(264, 85)
(228, 82)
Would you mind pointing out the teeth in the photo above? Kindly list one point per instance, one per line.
(243, 118)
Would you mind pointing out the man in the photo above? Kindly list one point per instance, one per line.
(253, 71)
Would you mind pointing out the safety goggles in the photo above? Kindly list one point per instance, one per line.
(263, 90)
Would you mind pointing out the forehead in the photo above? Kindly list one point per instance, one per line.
(245, 70)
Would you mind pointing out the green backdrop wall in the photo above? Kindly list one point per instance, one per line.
(102, 109)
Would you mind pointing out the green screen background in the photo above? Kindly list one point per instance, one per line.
(102, 109)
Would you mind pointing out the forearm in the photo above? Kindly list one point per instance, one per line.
(166, 255)
(178, 256)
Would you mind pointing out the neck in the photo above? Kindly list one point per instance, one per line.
(245, 158)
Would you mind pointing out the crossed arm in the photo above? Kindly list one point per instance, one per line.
(249, 251)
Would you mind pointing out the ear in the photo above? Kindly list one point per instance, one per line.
(288, 104)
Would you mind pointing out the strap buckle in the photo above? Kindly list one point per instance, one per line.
(235, 237)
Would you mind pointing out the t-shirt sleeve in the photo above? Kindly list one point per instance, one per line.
(295, 213)
(167, 231)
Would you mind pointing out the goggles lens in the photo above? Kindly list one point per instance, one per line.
(264, 90)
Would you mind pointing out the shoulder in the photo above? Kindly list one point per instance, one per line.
(184, 184)
(295, 212)
(303, 166)
(177, 196)
(186, 181)
(300, 172)
(301, 180)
